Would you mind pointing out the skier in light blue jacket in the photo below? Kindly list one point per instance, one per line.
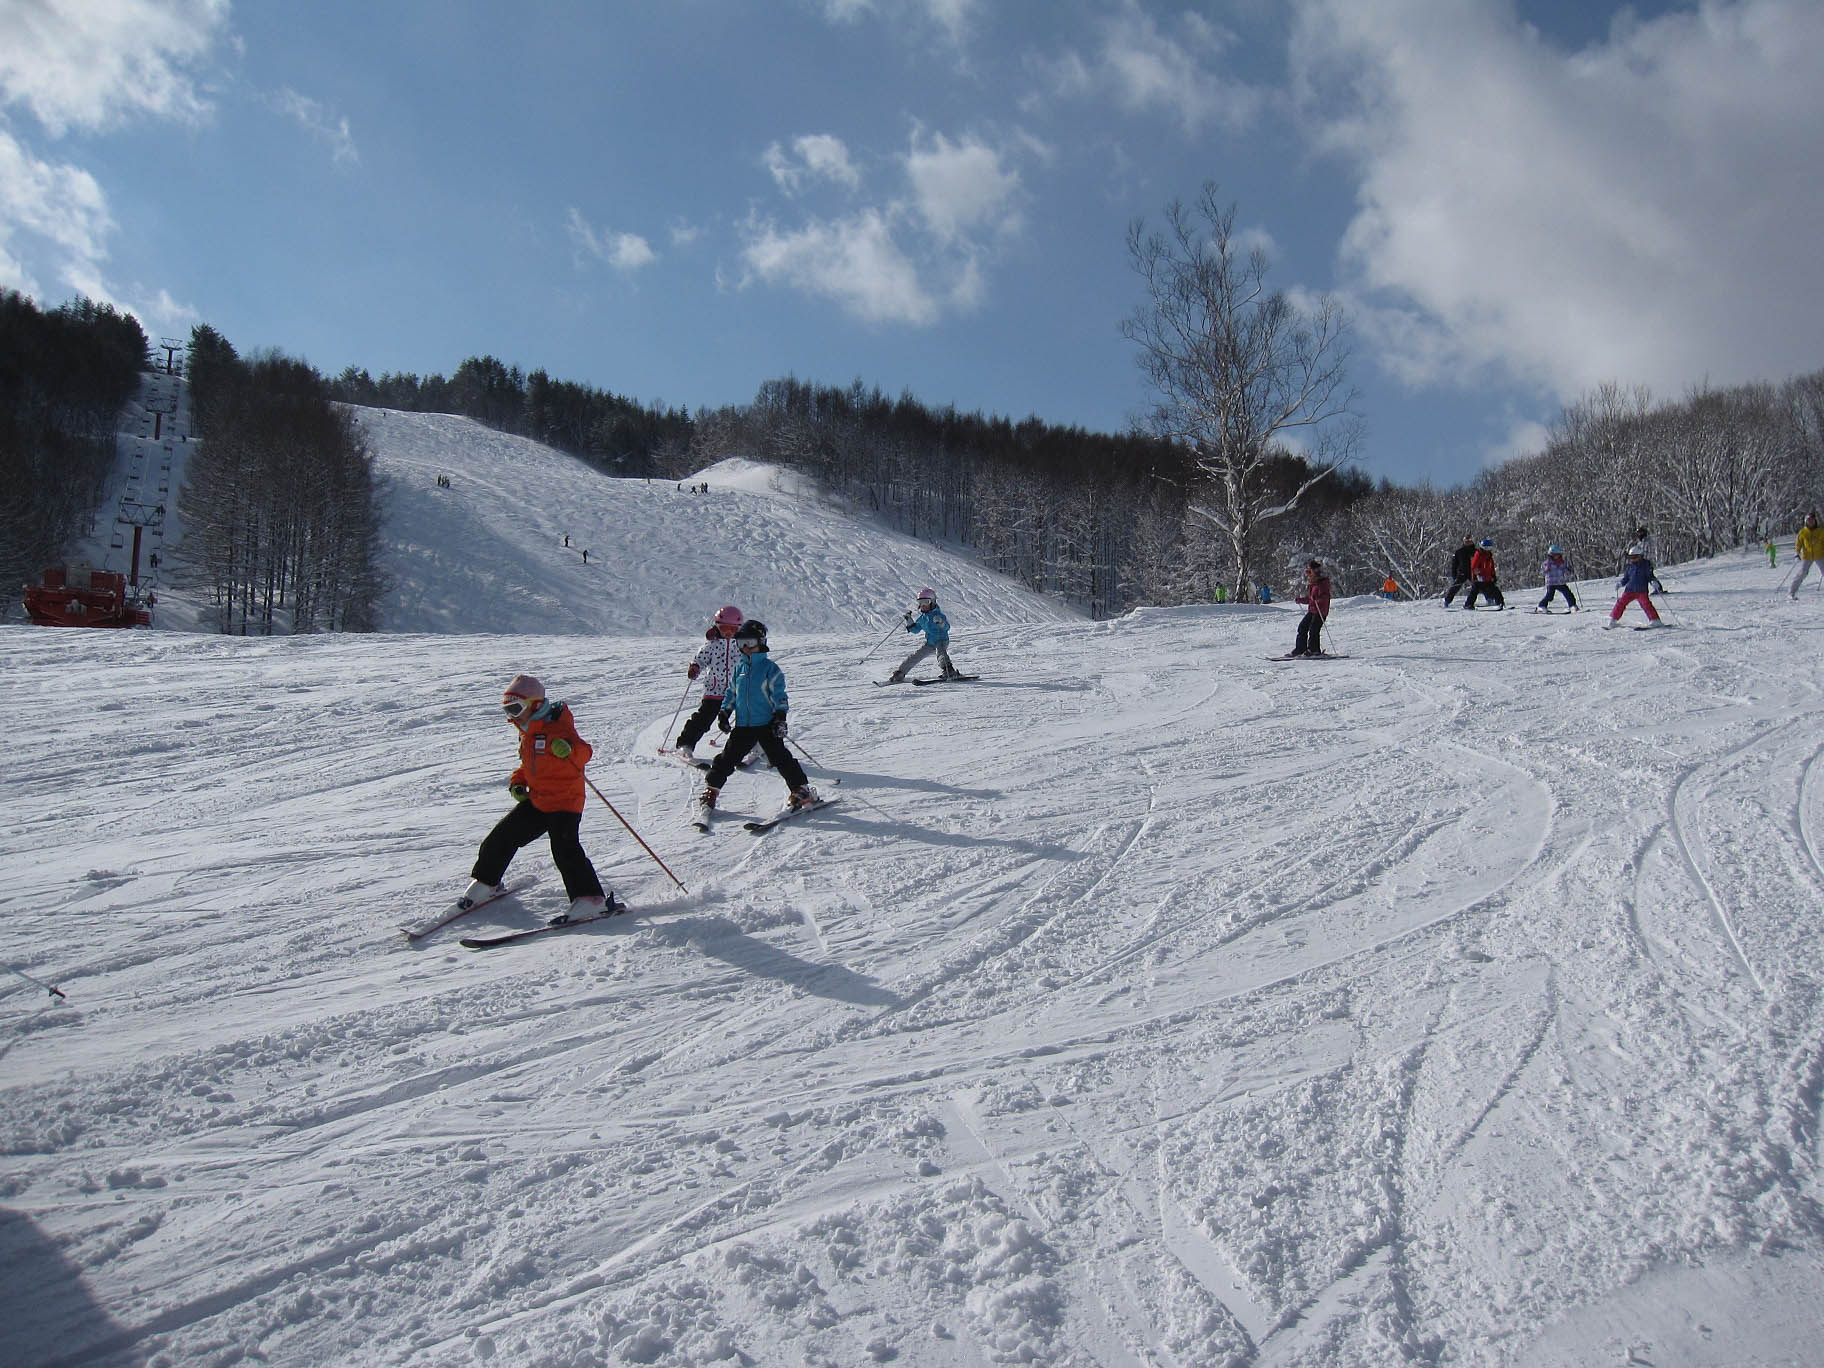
(753, 714)
(936, 627)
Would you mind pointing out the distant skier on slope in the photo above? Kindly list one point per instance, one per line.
(753, 714)
(1643, 538)
(547, 789)
(1459, 568)
(1482, 577)
(1316, 599)
(936, 627)
(1557, 572)
(714, 663)
(1636, 576)
(1810, 546)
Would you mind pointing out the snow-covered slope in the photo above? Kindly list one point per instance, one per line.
(1146, 1003)
(487, 553)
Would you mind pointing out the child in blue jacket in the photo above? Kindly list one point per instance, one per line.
(936, 627)
(753, 714)
(1636, 577)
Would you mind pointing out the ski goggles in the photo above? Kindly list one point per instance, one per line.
(516, 707)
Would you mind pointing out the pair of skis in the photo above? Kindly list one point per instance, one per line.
(414, 934)
(940, 679)
(703, 818)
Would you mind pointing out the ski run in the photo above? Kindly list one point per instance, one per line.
(1143, 1003)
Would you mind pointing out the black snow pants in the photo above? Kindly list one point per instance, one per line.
(1308, 628)
(742, 740)
(1489, 590)
(524, 825)
(698, 722)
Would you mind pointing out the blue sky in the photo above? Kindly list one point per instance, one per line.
(678, 200)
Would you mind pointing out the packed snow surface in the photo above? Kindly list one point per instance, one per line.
(1146, 1002)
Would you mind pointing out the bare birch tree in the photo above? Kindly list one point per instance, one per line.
(1242, 373)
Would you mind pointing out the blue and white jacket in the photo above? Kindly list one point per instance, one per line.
(756, 691)
(1636, 575)
(1556, 569)
(934, 625)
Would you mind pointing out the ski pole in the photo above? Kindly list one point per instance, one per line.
(636, 835)
(680, 707)
(54, 992)
(882, 642)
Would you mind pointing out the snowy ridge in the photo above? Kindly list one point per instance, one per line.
(488, 555)
(1145, 1003)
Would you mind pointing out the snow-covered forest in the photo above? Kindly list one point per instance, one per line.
(1147, 1002)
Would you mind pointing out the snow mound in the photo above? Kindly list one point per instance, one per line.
(489, 553)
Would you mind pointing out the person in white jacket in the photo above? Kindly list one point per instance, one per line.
(713, 665)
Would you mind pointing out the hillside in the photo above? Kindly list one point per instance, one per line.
(1146, 1003)
(487, 553)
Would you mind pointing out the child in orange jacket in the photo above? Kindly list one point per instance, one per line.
(548, 791)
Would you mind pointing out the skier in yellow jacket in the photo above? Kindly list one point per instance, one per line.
(1811, 550)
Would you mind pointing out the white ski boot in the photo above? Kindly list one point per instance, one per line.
(478, 892)
(581, 909)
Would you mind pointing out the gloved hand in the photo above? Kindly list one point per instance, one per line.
(560, 748)
(722, 720)
(908, 617)
(694, 670)
(520, 792)
(779, 725)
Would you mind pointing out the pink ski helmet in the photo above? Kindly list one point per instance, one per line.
(521, 695)
(927, 595)
(729, 616)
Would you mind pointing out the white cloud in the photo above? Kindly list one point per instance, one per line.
(626, 252)
(818, 156)
(853, 260)
(94, 63)
(1143, 69)
(91, 65)
(906, 260)
(317, 120)
(1644, 209)
(55, 208)
(959, 186)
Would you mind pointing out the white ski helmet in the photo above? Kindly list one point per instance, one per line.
(1637, 550)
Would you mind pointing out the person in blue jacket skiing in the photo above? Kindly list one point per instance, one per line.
(936, 627)
(753, 714)
(1636, 578)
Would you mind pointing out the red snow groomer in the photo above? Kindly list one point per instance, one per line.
(80, 596)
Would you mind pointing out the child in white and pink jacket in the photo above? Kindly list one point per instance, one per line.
(713, 665)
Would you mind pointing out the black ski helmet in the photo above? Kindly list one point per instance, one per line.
(752, 630)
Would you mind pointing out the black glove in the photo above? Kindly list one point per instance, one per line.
(722, 720)
(779, 725)
(908, 617)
